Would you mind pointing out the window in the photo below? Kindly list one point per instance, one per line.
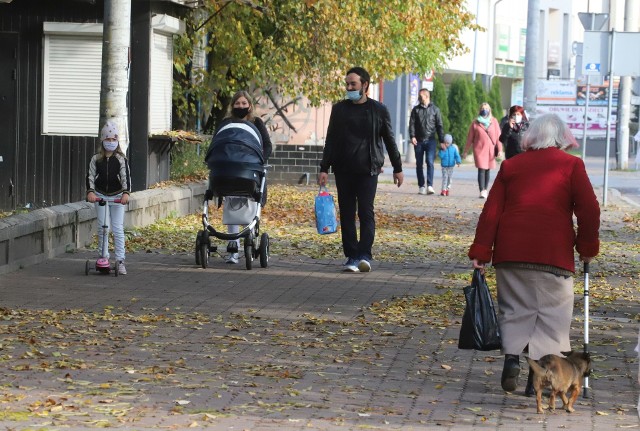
(71, 79)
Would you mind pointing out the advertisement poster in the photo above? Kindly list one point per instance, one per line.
(574, 117)
(598, 94)
(556, 92)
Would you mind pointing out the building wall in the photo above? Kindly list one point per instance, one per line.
(47, 170)
(298, 136)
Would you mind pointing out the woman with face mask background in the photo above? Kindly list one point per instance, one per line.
(513, 130)
(243, 108)
(109, 177)
(482, 139)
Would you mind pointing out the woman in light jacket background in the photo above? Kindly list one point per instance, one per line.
(482, 139)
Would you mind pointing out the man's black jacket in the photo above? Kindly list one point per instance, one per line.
(370, 154)
(424, 123)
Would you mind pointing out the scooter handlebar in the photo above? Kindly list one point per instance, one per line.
(117, 201)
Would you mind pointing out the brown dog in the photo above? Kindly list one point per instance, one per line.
(564, 375)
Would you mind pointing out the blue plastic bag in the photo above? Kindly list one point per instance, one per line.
(325, 209)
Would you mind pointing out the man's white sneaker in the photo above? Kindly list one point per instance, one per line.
(422, 191)
(351, 265)
(483, 194)
(430, 190)
(232, 258)
(364, 265)
(121, 268)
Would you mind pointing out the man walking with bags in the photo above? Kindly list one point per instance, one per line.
(424, 123)
(358, 133)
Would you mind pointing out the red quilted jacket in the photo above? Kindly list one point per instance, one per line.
(528, 216)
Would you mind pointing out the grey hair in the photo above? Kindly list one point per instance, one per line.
(548, 131)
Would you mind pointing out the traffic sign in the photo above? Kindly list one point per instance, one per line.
(592, 67)
(595, 53)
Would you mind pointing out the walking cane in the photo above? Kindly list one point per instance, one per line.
(586, 324)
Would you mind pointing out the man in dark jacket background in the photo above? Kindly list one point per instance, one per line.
(425, 121)
(358, 127)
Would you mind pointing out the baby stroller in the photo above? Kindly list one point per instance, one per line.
(237, 175)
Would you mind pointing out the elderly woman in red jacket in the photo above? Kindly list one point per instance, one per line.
(526, 231)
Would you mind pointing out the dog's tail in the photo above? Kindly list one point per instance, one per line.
(536, 367)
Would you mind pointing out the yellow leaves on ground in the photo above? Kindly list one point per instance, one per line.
(289, 219)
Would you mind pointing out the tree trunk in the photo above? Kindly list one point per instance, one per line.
(114, 86)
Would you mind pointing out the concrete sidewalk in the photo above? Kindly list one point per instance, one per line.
(295, 346)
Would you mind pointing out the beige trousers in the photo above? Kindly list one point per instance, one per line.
(535, 309)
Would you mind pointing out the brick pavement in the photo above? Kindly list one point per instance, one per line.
(291, 347)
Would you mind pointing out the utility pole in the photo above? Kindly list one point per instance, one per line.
(624, 93)
(475, 43)
(531, 58)
(114, 82)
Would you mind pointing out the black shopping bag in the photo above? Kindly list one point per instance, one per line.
(479, 330)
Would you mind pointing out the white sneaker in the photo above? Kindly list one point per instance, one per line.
(232, 258)
(483, 194)
(422, 191)
(364, 265)
(351, 265)
(430, 190)
(121, 269)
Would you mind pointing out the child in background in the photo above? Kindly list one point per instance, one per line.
(108, 177)
(449, 157)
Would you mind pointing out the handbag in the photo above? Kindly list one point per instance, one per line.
(238, 210)
(325, 210)
(479, 329)
(496, 149)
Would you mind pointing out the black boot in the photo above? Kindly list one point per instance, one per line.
(530, 390)
(510, 372)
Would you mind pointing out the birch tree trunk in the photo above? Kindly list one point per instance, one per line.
(114, 84)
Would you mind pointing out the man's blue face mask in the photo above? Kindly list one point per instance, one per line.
(354, 95)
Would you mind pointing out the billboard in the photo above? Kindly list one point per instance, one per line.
(598, 94)
(556, 92)
(573, 115)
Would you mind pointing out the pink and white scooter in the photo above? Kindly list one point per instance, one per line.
(102, 264)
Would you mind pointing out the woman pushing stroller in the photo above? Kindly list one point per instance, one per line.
(241, 110)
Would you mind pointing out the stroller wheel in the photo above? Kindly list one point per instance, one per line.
(263, 250)
(87, 267)
(116, 270)
(197, 249)
(204, 254)
(248, 251)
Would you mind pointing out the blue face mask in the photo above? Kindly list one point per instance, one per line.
(484, 112)
(110, 145)
(354, 95)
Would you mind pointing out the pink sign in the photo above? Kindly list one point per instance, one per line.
(574, 117)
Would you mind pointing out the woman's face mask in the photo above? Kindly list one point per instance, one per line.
(517, 118)
(110, 145)
(484, 112)
(240, 112)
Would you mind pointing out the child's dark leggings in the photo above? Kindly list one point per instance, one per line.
(483, 179)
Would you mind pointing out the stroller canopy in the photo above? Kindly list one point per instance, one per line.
(235, 147)
(235, 160)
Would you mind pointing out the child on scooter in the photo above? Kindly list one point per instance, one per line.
(108, 178)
